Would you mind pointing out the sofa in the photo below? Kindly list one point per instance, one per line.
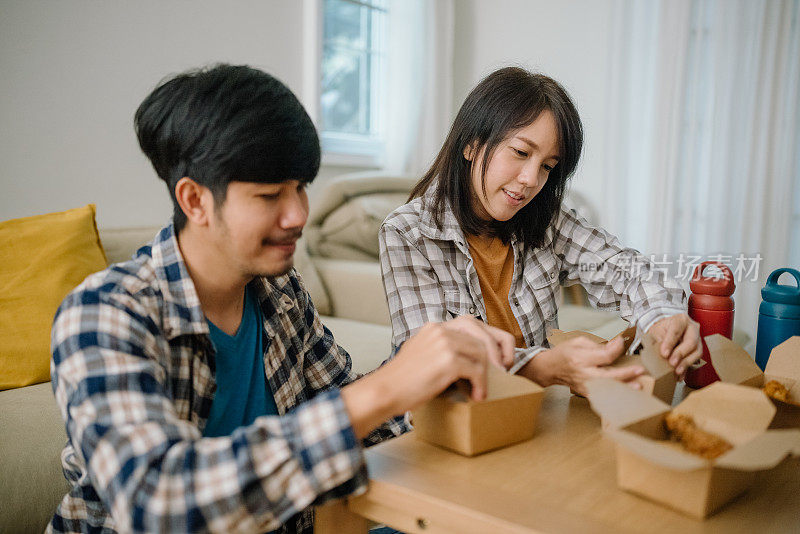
(338, 261)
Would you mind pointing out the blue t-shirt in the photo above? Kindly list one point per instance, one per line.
(242, 393)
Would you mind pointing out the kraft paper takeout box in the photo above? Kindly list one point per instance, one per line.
(733, 364)
(456, 422)
(660, 380)
(662, 471)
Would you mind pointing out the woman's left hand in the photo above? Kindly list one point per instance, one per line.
(679, 338)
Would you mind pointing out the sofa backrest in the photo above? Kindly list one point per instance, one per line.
(121, 243)
(347, 211)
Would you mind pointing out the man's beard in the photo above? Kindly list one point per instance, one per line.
(288, 237)
(285, 239)
(276, 274)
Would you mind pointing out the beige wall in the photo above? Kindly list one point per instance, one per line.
(74, 72)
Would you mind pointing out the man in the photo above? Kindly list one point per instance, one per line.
(199, 388)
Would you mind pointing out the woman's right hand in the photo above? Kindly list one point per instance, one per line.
(573, 362)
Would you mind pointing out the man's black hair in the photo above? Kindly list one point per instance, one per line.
(226, 123)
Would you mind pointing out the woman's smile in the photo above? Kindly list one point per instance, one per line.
(513, 198)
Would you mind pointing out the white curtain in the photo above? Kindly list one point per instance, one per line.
(705, 94)
(420, 67)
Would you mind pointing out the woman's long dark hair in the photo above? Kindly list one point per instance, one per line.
(504, 101)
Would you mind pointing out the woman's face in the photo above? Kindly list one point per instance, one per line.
(517, 170)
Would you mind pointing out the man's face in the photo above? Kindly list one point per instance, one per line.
(257, 226)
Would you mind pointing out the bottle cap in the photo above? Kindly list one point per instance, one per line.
(779, 293)
(721, 285)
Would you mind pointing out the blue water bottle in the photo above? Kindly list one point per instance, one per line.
(778, 315)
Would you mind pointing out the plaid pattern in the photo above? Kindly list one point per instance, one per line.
(133, 376)
(429, 275)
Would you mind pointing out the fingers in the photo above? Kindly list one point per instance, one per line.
(588, 360)
(623, 374)
(628, 374)
(681, 343)
(475, 372)
(676, 325)
(466, 346)
(431, 360)
(498, 343)
(688, 344)
(468, 359)
(506, 342)
(476, 331)
(597, 355)
(613, 349)
(694, 355)
(434, 340)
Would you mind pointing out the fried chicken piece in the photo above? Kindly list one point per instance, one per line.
(695, 440)
(776, 390)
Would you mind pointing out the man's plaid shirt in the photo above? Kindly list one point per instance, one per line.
(429, 275)
(133, 376)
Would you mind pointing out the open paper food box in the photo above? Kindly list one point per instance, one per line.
(651, 465)
(660, 380)
(507, 415)
(733, 364)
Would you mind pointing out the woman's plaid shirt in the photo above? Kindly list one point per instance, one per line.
(428, 275)
(133, 376)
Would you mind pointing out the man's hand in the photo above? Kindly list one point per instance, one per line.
(426, 364)
(574, 362)
(678, 338)
(499, 344)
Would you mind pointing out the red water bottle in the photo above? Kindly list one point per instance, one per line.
(711, 305)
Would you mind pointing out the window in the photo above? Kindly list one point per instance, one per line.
(353, 81)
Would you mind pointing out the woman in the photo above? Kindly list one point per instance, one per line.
(485, 234)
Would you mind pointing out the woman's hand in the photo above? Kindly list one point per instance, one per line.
(574, 362)
(678, 337)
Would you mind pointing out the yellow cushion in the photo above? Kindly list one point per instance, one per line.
(42, 258)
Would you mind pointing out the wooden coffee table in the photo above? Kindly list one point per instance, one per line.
(562, 480)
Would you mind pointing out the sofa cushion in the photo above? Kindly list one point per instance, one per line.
(356, 222)
(345, 279)
(31, 481)
(42, 258)
(311, 279)
(367, 344)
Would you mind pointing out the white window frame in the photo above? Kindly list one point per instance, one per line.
(338, 149)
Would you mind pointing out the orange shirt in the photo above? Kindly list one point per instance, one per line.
(494, 263)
